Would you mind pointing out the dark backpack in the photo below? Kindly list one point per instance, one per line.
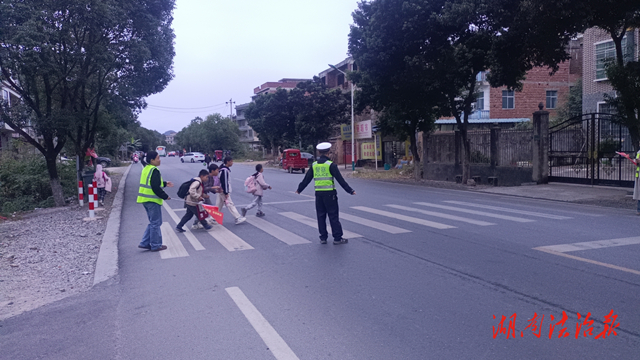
(183, 191)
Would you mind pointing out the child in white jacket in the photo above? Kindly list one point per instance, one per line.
(103, 182)
(257, 195)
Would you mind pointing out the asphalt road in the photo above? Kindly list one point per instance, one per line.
(422, 277)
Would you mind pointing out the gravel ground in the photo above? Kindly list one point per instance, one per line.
(49, 254)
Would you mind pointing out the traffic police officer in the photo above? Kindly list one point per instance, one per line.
(324, 174)
(151, 195)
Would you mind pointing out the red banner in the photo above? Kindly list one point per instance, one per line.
(215, 214)
(627, 156)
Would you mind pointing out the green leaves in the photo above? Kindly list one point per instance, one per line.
(213, 133)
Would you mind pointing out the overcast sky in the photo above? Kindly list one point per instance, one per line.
(224, 49)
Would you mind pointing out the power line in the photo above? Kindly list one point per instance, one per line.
(177, 108)
(186, 111)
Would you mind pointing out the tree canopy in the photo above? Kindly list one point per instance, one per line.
(67, 58)
(213, 133)
(307, 114)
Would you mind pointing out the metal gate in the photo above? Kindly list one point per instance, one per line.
(583, 150)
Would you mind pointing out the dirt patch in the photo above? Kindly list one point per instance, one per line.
(49, 254)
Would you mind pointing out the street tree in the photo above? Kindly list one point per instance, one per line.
(65, 57)
(391, 79)
(273, 119)
(213, 133)
(446, 43)
(318, 111)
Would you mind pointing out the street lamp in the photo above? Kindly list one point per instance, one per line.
(353, 132)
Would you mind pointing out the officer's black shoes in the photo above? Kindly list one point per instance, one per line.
(323, 241)
(341, 241)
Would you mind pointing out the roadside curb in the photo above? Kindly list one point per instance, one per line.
(107, 263)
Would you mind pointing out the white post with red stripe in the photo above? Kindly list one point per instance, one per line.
(95, 195)
(91, 203)
(80, 193)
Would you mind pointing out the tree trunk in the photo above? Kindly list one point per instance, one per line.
(466, 156)
(413, 146)
(54, 180)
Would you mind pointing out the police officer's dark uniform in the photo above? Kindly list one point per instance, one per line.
(324, 173)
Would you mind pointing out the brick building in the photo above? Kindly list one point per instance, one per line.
(598, 47)
(271, 87)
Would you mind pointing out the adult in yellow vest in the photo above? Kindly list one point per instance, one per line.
(636, 187)
(151, 195)
(325, 173)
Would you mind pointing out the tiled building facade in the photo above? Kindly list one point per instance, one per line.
(597, 47)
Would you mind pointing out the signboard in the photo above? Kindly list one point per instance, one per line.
(367, 150)
(345, 131)
(363, 129)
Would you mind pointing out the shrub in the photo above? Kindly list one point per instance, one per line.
(24, 182)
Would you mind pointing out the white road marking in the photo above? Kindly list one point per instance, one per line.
(404, 218)
(475, 212)
(197, 245)
(277, 232)
(314, 224)
(442, 215)
(278, 202)
(269, 335)
(174, 246)
(228, 239)
(591, 245)
(498, 208)
(374, 224)
(309, 196)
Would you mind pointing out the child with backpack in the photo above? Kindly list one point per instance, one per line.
(192, 198)
(256, 185)
(224, 197)
(103, 182)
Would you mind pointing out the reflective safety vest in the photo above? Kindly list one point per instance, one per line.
(145, 193)
(322, 176)
(637, 166)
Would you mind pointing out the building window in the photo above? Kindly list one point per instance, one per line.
(479, 104)
(508, 99)
(552, 99)
(340, 79)
(354, 67)
(604, 52)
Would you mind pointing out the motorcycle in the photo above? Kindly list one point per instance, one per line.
(135, 159)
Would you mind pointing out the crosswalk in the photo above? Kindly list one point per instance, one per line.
(391, 219)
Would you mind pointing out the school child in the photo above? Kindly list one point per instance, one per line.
(193, 198)
(103, 182)
(257, 194)
(212, 185)
(224, 197)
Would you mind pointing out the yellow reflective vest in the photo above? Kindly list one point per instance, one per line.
(638, 163)
(145, 193)
(322, 176)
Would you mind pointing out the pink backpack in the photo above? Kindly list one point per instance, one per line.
(250, 184)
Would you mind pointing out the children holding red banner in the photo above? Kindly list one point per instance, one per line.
(257, 194)
(193, 198)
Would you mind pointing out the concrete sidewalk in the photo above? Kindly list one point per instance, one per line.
(567, 192)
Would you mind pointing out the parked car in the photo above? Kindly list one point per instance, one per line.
(291, 160)
(104, 161)
(193, 157)
(310, 158)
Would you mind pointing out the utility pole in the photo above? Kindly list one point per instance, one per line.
(230, 102)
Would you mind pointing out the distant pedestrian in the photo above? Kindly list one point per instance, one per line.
(192, 200)
(324, 173)
(151, 195)
(207, 159)
(224, 197)
(103, 182)
(257, 194)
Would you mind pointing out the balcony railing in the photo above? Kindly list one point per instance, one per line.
(479, 114)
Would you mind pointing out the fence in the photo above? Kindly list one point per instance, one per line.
(510, 147)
